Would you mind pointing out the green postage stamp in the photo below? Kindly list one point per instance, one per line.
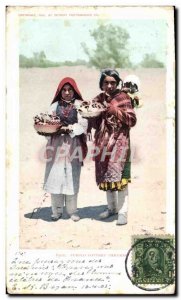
(152, 262)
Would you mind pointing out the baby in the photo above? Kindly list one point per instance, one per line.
(131, 86)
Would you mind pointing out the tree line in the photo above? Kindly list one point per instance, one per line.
(111, 51)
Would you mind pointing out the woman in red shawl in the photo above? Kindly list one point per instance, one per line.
(66, 151)
(113, 141)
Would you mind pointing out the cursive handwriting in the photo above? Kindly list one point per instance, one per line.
(60, 274)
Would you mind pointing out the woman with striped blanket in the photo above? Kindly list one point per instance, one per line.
(112, 139)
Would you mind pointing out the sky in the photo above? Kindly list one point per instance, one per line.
(61, 39)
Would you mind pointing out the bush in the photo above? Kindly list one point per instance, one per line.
(38, 60)
(150, 61)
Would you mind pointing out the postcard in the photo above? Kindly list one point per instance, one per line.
(90, 181)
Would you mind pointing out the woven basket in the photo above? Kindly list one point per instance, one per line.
(46, 128)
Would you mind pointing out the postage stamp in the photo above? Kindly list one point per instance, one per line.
(152, 262)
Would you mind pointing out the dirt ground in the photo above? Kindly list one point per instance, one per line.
(147, 192)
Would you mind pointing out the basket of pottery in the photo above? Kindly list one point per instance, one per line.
(91, 110)
(47, 124)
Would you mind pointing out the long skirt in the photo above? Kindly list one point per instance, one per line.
(62, 175)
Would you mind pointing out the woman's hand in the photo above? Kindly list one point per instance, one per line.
(112, 108)
(70, 128)
(64, 129)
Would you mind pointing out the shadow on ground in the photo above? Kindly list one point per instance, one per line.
(89, 212)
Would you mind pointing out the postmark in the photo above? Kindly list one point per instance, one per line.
(150, 263)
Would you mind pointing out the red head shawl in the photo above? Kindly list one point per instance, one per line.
(72, 82)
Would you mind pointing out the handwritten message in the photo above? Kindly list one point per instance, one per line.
(61, 274)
